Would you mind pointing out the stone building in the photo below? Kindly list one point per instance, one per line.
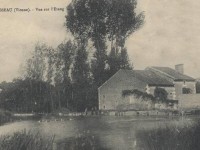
(177, 77)
(173, 81)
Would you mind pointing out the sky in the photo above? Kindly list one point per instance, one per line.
(170, 35)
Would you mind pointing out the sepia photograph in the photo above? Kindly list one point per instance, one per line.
(99, 75)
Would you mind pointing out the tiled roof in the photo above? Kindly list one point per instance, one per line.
(173, 74)
(148, 77)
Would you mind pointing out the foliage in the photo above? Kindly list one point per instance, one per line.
(26, 96)
(35, 66)
(138, 94)
(113, 62)
(80, 71)
(160, 94)
(124, 61)
(100, 21)
(26, 141)
(186, 90)
(96, 19)
(65, 76)
(64, 61)
(81, 79)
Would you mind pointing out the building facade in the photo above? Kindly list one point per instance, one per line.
(173, 81)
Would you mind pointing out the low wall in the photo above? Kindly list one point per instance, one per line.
(189, 101)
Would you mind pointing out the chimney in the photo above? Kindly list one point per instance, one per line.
(179, 68)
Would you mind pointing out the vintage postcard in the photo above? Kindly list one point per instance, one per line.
(99, 75)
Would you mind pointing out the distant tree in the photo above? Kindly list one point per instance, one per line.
(35, 72)
(122, 21)
(160, 94)
(63, 62)
(124, 60)
(58, 78)
(66, 54)
(113, 62)
(21, 96)
(35, 67)
(98, 65)
(50, 56)
(81, 78)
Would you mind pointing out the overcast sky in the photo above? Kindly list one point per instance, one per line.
(170, 35)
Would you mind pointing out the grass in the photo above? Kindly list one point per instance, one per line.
(26, 141)
(170, 138)
(82, 141)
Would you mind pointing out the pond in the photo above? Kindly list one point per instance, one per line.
(109, 132)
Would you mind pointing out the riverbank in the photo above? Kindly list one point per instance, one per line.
(7, 117)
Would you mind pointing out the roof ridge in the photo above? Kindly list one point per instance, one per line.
(163, 72)
(172, 73)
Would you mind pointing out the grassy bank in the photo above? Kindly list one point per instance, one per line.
(79, 143)
(26, 141)
(82, 141)
(34, 141)
(170, 138)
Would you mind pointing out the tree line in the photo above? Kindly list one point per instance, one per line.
(69, 75)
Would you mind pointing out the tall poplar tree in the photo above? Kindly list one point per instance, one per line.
(101, 21)
(81, 78)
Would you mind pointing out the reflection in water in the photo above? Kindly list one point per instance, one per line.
(115, 133)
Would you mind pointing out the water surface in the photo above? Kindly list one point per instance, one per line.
(110, 132)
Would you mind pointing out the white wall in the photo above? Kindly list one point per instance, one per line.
(188, 101)
(179, 85)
